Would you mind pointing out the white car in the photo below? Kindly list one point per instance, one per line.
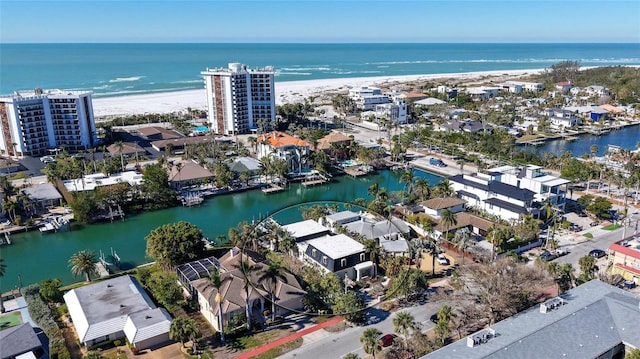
(442, 259)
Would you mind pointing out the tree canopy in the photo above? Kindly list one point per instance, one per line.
(176, 243)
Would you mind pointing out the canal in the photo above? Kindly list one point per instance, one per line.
(34, 256)
(626, 138)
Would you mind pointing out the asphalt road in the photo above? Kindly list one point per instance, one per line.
(335, 345)
(600, 242)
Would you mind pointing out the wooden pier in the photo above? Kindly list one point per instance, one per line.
(357, 171)
(272, 188)
(192, 200)
(314, 180)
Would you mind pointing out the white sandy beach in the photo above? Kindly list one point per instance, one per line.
(286, 92)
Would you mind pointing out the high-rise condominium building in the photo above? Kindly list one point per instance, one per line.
(239, 98)
(33, 121)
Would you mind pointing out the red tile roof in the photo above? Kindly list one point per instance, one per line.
(625, 250)
(281, 139)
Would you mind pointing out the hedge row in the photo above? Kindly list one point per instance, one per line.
(44, 317)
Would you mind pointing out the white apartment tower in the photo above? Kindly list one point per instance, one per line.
(34, 121)
(238, 97)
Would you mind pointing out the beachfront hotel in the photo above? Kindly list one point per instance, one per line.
(239, 97)
(34, 121)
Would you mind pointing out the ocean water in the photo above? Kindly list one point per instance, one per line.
(123, 69)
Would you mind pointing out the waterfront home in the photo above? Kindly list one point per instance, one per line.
(335, 144)
(42, 196)
(114, 309)
(593, 320)
(598, 113)
(283, 146)
(561, 118)
(179, 145)
(304, 230)
(21, 342)
(129, 149)
(434, 206)
(531, 177)
(625, 256)
(188, 173)
(486, 193)
(90, 182)
(245, 164)
(232, 297)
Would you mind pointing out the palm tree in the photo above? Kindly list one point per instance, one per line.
(448, 219)
(271, 275)
(369, 340)
(462, 240)
(423, 188)
(495, 236)
(407, 178)
(444, 188)
(247, 270)
(119, 145)
(433, 250)
(216, 281)
(373, 190)
(372, 248)
(402, 323)
(184, 329)
(3, 268)
(83, 262)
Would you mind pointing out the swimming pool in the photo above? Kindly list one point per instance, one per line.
(202, 129)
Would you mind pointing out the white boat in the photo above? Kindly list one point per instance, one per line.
(53, 224)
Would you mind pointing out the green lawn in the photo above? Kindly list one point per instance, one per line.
(612, 226)
(10, 320)
(588, 235)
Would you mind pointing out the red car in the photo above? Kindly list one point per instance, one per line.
(386, 340)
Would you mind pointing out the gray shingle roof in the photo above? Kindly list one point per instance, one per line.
(595, 318)
(42, 192)
(147, 324)
(506, 205)
(18, 340)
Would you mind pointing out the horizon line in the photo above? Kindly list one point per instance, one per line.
(317, 43)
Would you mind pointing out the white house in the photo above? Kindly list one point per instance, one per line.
(339, 254)
(486, 193)
(560, 118)
(395, 112)
(115, 309)
(533, 178)
(366, 98)
(528, 86)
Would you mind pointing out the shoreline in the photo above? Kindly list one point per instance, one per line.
(286, 91)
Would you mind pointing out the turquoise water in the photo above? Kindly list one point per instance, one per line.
(121, 69)
(35, 256)
(202, 129)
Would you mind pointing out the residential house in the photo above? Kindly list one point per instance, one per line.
(232, 296)
(544, 186)
(561, 118)
(339, 254)
(21, 342)
(625, 256)
(564, 86)
(245, 164)
(366, 98)
(335, 144)
(593, 320)
(486, 193)
(595, 90)
(129, 149)
(156, 133)
(598, 113)
(114, 309)
(413, 97)
(187, 173)
(286, 147)
(430, 101)
(395, 112)
(434, 206)
(527, 86)
(43, 196)
(90, 182)
(181, 144)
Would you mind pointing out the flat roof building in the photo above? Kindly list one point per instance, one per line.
(239, 97)
(34, 121)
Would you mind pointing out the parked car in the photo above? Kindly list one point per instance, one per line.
(548, 256)
(582, 214)
(442, 259)
(593, 224)
(561, 252)
(386, 340)
(598, 253)
(434, 318)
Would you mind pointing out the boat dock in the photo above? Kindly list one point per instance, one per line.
(6, 239)
(314, 180)
(192, 200)
(53, 224)
(272, 188)
(357, 171)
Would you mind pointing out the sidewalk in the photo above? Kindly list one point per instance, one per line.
(288, 338)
